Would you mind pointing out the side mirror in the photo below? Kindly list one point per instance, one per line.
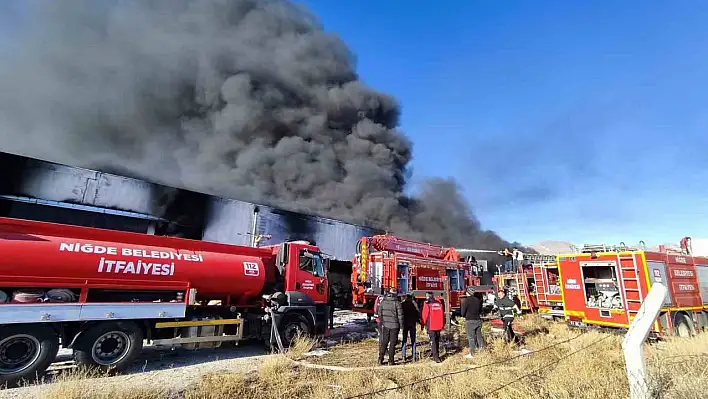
(325, 265)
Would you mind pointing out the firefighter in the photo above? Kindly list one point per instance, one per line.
(377, 324)
(434, 319)
(411, 315)
(331, 303)
(507, 308)
(390, 313)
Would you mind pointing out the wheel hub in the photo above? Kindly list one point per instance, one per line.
(18, 352)
(292, 331)
(110, 348)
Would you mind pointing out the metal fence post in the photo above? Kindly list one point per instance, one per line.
(637, 334)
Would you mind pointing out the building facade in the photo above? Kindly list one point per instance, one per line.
(40, 190)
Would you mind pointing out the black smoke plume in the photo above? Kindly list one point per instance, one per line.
(248, 99)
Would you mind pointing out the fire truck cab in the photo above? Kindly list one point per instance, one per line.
(383, 262)
(605, 286)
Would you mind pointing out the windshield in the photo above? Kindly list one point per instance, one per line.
(311, 262)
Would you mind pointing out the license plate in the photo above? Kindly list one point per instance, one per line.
(577, 324)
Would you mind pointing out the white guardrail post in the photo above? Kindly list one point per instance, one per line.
(637, 334)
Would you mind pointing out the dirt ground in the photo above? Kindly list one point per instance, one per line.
(176, 369)
(578, 366)
(352, 343)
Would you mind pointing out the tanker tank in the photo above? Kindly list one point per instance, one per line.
(138, 261)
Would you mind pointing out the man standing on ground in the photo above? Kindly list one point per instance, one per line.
(472, 312)
(390, 313)
(411, 316)
(434, 319)
(507, 307)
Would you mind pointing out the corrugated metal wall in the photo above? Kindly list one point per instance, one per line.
(340, 239)
(334, 237)
(61, 183)
(225, 220)
(229, 221)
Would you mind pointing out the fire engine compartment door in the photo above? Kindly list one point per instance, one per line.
(376, 274)
(657, 274)
(552, 279)
(402, 273)
(702, 272)
(453, 277)
(602, 285)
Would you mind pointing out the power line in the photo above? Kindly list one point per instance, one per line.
(467, 369)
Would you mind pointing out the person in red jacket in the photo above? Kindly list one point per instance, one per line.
(433, 318)
(377, 319)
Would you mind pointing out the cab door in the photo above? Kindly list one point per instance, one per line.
(310, 275)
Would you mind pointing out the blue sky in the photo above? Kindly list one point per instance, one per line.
(578, 121)
(564, 120)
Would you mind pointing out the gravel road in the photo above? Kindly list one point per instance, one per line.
(176, 369)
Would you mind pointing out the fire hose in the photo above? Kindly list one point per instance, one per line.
(486, 251)
(274, 330)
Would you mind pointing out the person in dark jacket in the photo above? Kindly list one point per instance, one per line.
(434, 319)
(411, 317)
(472, 312)
(390, 313)
(331, 303)
(506, 308)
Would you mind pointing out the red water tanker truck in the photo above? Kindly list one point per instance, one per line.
(102, 293)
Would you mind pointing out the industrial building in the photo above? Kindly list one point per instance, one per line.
(40, 190)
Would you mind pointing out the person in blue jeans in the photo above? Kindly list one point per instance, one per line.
(411, 317)
(508, 260)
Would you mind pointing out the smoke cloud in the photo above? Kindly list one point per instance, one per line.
(245, 99)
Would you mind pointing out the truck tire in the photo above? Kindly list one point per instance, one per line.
(683, 326)
(111, 345)
(26, 351)
(293, 325)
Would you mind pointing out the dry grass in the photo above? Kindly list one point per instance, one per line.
(83, 384)
(300, 346)
(677, 366)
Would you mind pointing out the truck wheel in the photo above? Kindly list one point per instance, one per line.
(26, 351)
(109, 345)
(684, 326)
(293, 326)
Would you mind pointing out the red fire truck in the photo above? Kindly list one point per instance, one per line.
(102, 292)
(383, 262)
(536, 287)
(605, 286)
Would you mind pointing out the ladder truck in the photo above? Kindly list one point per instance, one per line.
(383, 262)
(536, 286)
(101, 293)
